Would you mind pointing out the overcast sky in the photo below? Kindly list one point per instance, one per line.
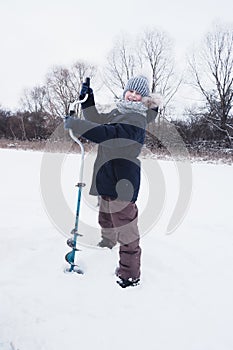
(36, 35)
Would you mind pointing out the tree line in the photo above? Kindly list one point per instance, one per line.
(209, 72)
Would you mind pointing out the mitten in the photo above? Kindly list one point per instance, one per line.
(68, 121)
(90, 100)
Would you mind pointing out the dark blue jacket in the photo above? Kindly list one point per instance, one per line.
(120, 137)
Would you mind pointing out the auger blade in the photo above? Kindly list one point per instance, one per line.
(70, 258)
(72, 269)
(71, 243)
(74, 232)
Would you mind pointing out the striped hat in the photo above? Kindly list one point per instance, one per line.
(139, 84)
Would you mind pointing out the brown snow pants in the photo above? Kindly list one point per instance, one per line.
(119, 223)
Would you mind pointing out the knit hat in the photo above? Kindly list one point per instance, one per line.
(139, 84)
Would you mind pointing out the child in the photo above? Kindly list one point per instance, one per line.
(116, 176)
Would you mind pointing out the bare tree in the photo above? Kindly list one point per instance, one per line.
(155, 52)
(212, 70)
(34, 100)
(63, 86)
(120, 66)
(151, 54)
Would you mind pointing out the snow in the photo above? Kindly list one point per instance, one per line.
(184, 300)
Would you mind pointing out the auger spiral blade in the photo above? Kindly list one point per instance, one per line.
(73, 267)
(71, 243)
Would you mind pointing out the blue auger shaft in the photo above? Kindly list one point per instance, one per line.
(78, 208)
(75, 231)
(70, 257)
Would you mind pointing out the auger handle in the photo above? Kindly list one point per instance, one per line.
(73, 105)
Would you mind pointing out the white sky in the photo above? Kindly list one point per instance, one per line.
(35, 35)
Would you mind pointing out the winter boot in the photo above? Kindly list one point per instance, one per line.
(106, 243)
(130, 282)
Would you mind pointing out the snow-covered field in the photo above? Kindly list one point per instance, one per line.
(185, 298)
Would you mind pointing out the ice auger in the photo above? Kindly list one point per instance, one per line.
(72, 242)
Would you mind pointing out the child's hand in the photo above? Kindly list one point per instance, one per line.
(85, 90)
(68, 122)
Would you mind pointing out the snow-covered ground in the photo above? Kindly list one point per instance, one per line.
(185, 298)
